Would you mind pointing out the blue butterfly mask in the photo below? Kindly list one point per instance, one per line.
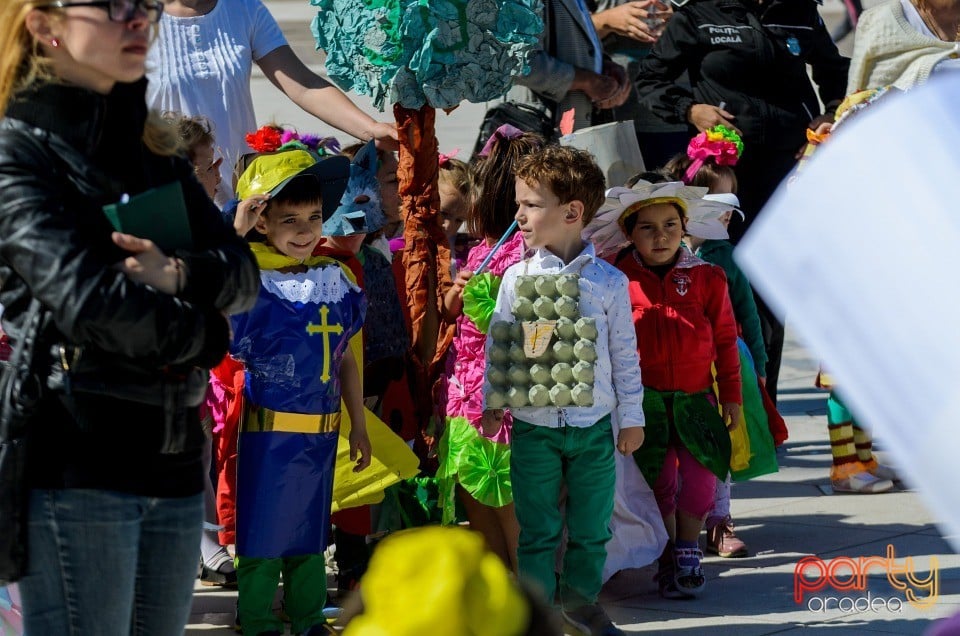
(360, 211)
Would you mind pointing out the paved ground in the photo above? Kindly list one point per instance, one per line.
(783, 517)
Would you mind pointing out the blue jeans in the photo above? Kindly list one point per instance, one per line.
(104, 563)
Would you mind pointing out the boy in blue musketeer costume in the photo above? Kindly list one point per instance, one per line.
(294, 346)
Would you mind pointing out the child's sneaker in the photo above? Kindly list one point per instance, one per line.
(880, 471)
(689, 577)
(722, 541)
(666, 573)
(590, 620)
(219, 570)
(862, 483)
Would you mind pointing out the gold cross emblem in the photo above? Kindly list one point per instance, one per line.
(325, 330)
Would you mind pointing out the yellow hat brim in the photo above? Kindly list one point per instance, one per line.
(268, 171)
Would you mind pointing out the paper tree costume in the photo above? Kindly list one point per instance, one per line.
(421, 55)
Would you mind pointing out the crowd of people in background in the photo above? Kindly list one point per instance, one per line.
(202, 385)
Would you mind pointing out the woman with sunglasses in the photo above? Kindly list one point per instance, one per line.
(114, 446)
(201, 65)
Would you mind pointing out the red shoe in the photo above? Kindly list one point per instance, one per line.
(722, 541)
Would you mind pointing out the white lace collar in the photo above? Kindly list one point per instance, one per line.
(316, 285)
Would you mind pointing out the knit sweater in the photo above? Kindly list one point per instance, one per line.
(888, 50)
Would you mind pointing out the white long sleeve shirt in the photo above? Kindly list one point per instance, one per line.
(604, 297)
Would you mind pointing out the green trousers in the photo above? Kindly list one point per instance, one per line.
(304, 592)
(542, 460)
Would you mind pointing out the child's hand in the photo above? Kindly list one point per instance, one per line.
(491, 421)
(460, 281)
(453, 299)
(359, 445)
(730, 411)
(630, 439)
(248, 211)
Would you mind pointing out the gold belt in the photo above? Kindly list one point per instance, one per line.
(261, 420)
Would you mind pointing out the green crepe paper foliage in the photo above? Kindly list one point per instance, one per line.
(480, 299)
(362, 42)
(435, 52)
(485, 472)
(456, 437)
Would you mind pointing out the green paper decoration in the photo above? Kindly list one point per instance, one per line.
(427, 52)
(480, 299)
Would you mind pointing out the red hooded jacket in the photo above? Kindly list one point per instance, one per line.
(684, 323)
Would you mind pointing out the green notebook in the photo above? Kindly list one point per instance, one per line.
(159, 214)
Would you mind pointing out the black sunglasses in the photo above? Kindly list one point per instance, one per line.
(118, 10)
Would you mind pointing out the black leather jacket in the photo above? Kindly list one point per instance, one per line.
(751, 58)
(65, 152)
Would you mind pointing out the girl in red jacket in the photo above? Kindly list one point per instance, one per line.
(685, 323)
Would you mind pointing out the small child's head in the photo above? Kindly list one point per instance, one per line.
(454, 189)
(558, 191)
(304, 192)
(709, 161)
(653, 217)
(650, 176)
(387, 177)
(360, 211)
(197, 140)
(709, 218)
(494, 200)
(656, 229)
(273, 138)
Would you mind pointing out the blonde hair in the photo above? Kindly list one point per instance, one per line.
(22, 64)
(192, 132)
(161, 137)
(20, 60)
(456, 173)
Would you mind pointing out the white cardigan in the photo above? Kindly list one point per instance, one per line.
(889, 51)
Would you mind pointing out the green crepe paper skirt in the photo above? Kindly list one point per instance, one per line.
(753, 450)
(696, 423)
(481, 467)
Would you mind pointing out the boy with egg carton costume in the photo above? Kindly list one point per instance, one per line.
(558, 443)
